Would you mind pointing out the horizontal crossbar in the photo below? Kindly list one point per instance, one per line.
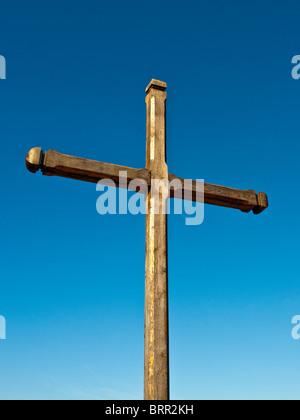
(53, 163)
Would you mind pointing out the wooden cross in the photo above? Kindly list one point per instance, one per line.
(156, 375)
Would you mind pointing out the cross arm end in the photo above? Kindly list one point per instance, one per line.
(34, 159)
(262, 203)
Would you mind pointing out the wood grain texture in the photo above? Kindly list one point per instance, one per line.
(156, 378)
(244, 200)
(56, 164)
(53, 163)
(262, 203)
(34, 159)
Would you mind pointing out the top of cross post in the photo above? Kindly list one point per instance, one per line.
(156, 84)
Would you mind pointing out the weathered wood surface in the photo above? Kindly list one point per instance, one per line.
(262, 203)
(53, 163)
(34, 160)
(156, 378)
(244, 200)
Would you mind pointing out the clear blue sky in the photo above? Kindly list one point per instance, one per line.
(72, 281)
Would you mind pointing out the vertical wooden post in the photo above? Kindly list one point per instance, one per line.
(156, 301)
